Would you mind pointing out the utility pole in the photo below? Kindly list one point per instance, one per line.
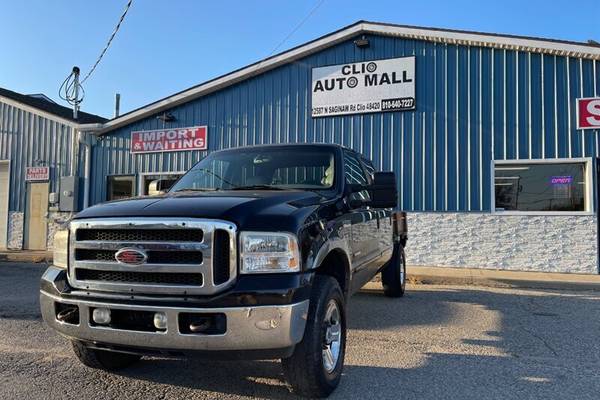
(76, 93)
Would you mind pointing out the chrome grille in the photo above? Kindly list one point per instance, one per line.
(184, 256)
(140, 235)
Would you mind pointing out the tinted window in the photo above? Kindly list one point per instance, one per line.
(353, 170)
(369, 168)
(540, 187)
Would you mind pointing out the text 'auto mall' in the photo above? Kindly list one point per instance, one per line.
(494, 138)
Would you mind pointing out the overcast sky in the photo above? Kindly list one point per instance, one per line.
(167, 46)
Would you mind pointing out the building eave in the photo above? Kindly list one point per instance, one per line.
(446, 36)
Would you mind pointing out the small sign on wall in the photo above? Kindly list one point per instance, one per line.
(588, 113)
(37, 174)
(176, 139)
(365, 87)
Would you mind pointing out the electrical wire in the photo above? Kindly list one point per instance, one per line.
(71, 92)
(306, 18)
(110, 39)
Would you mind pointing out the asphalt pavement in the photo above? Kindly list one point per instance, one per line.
(438, 342)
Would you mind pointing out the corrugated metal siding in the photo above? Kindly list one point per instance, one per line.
(27, 139)
(474, 104)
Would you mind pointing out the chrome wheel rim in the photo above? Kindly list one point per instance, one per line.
(332, 342)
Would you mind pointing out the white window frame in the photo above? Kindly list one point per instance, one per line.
(143, 176)
(588, 176)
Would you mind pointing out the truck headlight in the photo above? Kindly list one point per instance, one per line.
(61, 249)
(264, 252)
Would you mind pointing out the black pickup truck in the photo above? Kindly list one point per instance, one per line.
(253, 253)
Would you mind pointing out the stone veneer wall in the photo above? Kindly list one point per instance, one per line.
(526, 243)
(15, 230)
(16, 222)
(56, 220)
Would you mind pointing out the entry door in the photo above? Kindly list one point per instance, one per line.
(36, 222)
(4, 174)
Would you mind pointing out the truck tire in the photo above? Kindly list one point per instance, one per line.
(393, 275)
(315, 367)
(100, 359)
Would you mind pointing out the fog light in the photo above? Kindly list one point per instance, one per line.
(101, 316)
(160, 321)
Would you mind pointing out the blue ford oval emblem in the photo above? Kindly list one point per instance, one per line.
(131, 256)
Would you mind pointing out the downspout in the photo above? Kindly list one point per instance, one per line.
(85, 140)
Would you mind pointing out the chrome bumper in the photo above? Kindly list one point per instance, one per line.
(248, 328)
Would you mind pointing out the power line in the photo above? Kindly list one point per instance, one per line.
(109, 41)
(306, 18)
(71, 90)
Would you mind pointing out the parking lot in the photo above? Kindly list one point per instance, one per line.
(437, 342)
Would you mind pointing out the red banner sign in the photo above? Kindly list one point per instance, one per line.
(37, 173)
(176, 139)
(588, 113)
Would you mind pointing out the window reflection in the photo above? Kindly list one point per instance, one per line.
(540, 187)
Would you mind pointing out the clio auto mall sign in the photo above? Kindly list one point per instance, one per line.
(365, 87)
(175, 139)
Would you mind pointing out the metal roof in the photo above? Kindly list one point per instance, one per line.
(50, 107)
(449, 36)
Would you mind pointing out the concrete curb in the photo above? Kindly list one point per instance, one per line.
(502, 279)
(26, 256)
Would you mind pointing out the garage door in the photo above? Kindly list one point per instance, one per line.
(4, 174)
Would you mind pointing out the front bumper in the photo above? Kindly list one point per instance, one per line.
(261, 327)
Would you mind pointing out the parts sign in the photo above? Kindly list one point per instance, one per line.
(35, 174)
(175, 139)
(365, 87)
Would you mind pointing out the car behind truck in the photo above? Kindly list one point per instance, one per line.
(253, 253)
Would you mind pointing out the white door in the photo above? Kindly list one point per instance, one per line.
(4, 179)
(36, 222)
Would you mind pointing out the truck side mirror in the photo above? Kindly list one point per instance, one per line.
(384, 193)
(355, 200)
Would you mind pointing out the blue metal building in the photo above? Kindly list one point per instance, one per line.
(36, 134)
(484, 103)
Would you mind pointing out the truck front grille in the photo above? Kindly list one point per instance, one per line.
(182, 256)
(142, 235)
(154, 257)
(155, 278)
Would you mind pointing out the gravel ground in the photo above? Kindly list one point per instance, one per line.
(439, 342)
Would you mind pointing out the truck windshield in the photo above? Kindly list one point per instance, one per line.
(260, 168)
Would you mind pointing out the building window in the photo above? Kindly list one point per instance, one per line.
(155, 184)
(120, 187)
(539, 187)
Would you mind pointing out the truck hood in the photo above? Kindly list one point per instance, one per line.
(246, 209)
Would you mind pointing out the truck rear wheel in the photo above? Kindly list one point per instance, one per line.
(101, 359)
(393, 276)
(315, 367)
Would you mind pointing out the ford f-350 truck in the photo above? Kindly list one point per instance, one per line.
(253, 253)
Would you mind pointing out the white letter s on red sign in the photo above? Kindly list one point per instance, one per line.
(593, 107)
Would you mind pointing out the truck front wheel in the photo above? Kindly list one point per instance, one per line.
(315, 367)
(393, 275)
(101, 359)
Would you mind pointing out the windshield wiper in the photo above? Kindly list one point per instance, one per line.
(257, 187)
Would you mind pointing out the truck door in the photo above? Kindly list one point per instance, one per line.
(363, 220)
